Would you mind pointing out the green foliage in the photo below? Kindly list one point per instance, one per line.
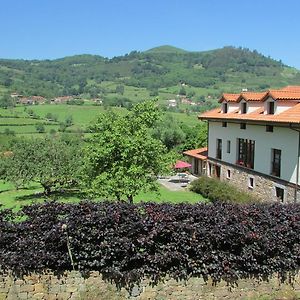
(8, 131)
(6, 101)
(196, 136)
(182, 91)
(219, 70)
(51, 117)
(169, 132)
(120, 89)
(122, 158)
(216, 190)
(52, 162)
(40, 128)
(69, 121)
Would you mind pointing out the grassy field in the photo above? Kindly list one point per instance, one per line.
(12, 198)
(20, 122)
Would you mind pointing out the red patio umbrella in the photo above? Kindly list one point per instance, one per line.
(181, 165)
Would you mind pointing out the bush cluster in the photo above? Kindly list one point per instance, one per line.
(216, 190)
(128, 242)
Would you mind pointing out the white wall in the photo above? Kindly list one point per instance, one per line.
(253, 105)
(232, 106)
(284, 139)
(284, 105)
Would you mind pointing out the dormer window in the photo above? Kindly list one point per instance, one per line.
(243, 107)
(271, 108)
(225, 107)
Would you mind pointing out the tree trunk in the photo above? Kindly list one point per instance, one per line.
(47, 189)
(130, 199)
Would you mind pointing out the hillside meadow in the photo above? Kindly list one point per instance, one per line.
(22, 120)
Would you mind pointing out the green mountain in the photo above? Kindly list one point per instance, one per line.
(159, 70)
(166, 49)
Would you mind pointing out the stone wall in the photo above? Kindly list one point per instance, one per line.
(71, 285)
(263, 187)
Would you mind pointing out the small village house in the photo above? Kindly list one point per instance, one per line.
(254, 143)
(31, 100)
(172, 103)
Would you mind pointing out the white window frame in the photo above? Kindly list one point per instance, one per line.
(283, 187)
(249, 182)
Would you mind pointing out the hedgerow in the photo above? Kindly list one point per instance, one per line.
(128, 242)
(216, 190)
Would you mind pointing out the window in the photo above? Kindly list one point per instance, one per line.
(224, 124)
(246, 153)
(228, 146)
(276, 162)
(269, 128)
(271, 108)
(210, 170)
(228, 175)
(225, 108)
(251, 182)
(218, 171)
(243, 108)
(219, 149)
(243, 125)
(279, 192)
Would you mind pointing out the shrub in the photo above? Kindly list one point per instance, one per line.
(127, 242)
(216, 190)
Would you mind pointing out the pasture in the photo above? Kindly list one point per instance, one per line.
(12, 198)
(23, 120)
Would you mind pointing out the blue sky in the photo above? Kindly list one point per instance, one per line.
(57, 28)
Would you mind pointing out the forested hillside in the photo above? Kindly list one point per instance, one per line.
(157, 71)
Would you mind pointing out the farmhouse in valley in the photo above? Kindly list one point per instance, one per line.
(254, 143)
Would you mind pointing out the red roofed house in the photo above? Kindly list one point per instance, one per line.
(254, 142)
(198, 160)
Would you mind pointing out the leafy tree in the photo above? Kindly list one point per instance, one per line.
(6, 101)
(122, 158)
(169, 132)
(191, 94)
(69, 121)
(182, 91)
(40, 128)
(120, 89)
(51, 117)
(52, 162)
(153, 93)
(196, 136)
(8, 131)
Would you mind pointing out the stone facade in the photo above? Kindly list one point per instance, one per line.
(71, 285)
(261, 186)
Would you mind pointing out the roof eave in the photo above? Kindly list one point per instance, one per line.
(234, 120)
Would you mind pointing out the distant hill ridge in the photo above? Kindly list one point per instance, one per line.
(220, 70)
(166, 49)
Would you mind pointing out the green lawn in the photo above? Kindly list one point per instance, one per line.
(166, 195)
(11, 198)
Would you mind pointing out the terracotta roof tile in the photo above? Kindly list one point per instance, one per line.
(291, 115)
(229, 97)
(200, 153)
(283, 95)
(251, 96)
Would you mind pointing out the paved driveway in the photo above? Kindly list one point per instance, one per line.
(173, 183)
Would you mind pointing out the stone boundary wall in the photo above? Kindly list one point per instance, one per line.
(71, 285)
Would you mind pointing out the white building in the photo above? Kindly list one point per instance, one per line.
(172, 103)
(254, 142)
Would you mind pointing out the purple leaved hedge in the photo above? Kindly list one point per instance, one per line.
(128, 242)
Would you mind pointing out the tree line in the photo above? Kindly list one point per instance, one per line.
(123, 155)
(82, 74)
